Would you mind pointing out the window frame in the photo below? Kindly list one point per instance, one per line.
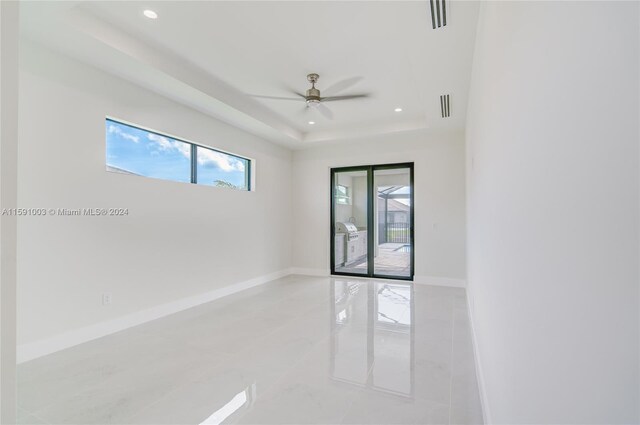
(193, 150)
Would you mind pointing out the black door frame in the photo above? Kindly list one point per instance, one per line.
(371, 198)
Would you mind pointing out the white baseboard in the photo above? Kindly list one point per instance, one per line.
(440, 281)
(484, 401)
(309, 272)
(33, 350)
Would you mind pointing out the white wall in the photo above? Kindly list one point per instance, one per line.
(552, 138)
(359, 200)
(9, 34)
(439, 198)
(179, 240)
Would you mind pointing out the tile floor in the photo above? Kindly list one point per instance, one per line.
(296, 350)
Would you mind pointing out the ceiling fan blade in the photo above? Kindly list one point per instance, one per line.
(304, 110)
(346, 97)
(276, 97)
(342, 85)
(326, 112)
(288, 89)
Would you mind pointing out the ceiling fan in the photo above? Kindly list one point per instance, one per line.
(313, 98)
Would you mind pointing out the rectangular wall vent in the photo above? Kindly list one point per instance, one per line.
(438, 13)
(445, 106)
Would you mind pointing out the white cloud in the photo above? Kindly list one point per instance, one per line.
(162, 142)
(165, 144)
(220, 160)
(184, 148)
(114, 129)
(206, 157)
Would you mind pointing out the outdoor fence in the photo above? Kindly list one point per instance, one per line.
(394, 233)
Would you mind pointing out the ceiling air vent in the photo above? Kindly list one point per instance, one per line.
(445, 106)
(438, 13)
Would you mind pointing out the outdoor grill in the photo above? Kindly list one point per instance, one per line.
(349, 229)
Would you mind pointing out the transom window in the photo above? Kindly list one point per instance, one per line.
(133, 150)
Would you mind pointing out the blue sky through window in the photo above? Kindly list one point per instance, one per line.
(215, 167)
(137, 151)
(147, 154)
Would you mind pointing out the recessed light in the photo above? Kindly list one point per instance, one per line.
(398, 109)
(150, 14)
(312, 122)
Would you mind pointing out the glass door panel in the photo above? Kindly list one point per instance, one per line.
(393, 242)
(350, 219)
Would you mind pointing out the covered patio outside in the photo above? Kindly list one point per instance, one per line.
(392, 235)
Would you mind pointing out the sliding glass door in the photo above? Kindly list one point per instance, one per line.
(372, 221)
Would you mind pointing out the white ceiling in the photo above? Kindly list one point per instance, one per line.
(213, 55)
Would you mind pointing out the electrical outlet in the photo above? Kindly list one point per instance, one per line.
(106, 298)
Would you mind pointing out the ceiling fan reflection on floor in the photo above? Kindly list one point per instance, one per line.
(313, 98)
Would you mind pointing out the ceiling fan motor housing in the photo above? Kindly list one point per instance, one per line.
(313, 95)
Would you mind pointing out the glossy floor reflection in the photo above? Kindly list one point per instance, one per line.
(297, 350)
